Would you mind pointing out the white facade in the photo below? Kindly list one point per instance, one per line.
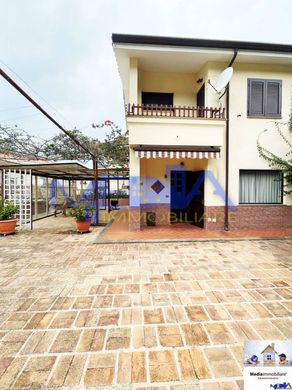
(182, 70)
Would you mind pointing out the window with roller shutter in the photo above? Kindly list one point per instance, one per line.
(264, 98)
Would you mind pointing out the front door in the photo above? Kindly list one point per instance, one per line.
(177, 196)
(195, 189)
(187, 197)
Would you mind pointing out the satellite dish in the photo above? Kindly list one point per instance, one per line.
(224, 79)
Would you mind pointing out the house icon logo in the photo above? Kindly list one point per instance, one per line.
(269, 354)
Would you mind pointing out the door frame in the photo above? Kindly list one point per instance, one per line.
(195, 205)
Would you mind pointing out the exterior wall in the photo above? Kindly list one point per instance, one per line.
(244, 218)
(162, 213)
(182, 85)
(160, 169)
(244, 132)
(248, 129)
(157, 169)
(248, 217)
(152, 131)
(134, 218)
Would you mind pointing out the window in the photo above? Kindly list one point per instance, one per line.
(269, 357)
(260, 187)
(176, 181)
(264, 98)
(157, 98)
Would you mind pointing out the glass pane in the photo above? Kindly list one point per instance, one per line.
(256, 103)
(260, 187)
(272, 107)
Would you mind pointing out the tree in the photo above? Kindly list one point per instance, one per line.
(20, 144)
(284, 163)
(113, 152)
(61, 147)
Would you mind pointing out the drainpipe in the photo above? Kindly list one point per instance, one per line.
(226, 210)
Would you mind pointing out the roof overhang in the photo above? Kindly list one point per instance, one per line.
(197, 43)
(165, 53)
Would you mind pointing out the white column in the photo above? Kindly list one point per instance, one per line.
(133, 81)
(134, 180)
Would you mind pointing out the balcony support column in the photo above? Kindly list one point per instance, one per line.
(133, 81)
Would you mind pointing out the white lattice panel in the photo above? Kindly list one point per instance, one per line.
(17, 188)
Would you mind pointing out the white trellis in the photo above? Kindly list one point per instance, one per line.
(17, 188)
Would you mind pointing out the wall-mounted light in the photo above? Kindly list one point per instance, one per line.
(199, 81)
(165, 176)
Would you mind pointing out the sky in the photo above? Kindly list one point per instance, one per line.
(61, 50)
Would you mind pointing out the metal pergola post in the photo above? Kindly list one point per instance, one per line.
(95, 171)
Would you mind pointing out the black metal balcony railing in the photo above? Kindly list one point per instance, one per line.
(156, 110)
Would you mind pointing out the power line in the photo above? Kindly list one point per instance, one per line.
(31, 100)
(94, 158)
(34, 91)
(21, 117)
(14, 108)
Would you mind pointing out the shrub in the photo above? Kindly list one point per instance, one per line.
(7, 209)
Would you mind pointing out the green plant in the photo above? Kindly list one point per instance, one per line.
(119, 194)
(82, 213)
(280, 162)
(7, 209)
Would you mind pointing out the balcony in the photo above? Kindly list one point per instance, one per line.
(175, 126)
(184, 112)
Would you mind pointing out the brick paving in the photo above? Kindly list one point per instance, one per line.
(119, 231)
(163, 316)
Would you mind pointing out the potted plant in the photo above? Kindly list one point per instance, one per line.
(83, 215)
(7, 217)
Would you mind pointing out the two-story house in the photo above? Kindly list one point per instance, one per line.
(193, 152)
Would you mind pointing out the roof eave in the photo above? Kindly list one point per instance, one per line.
(199, 43)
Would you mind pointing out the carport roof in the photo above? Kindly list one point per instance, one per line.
(66, 170)
(56, 170)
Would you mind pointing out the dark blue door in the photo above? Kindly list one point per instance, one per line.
(187, 197)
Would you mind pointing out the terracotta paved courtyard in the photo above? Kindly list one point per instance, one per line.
(173, 316)
(119, 231)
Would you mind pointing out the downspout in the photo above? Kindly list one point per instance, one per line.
(226, 210)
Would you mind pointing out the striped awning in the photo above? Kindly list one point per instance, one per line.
(176, 154)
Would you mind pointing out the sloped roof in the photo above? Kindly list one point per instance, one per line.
(269, 349)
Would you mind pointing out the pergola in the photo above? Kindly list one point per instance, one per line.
(32, 185)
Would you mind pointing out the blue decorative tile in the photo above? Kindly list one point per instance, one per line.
(157, 187)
